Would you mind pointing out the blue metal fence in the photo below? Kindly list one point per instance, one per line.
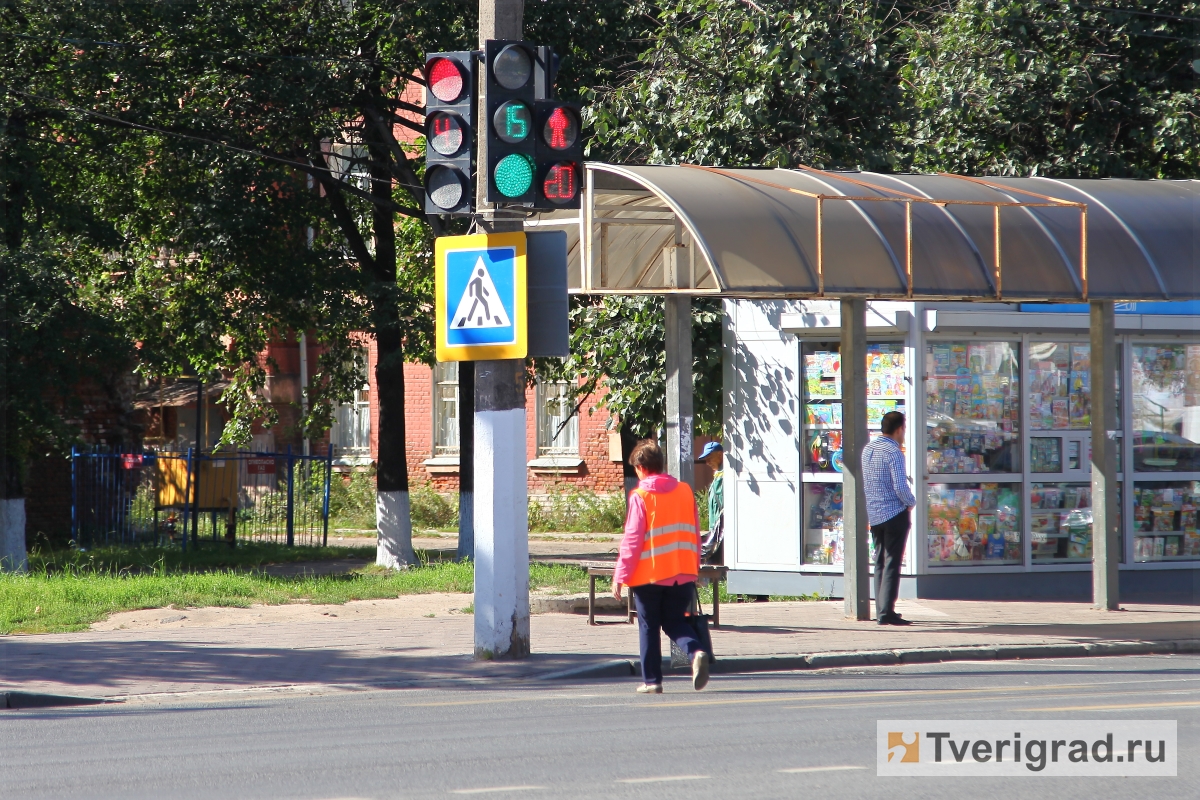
(151, 498)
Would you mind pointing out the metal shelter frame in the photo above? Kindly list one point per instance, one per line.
(690, 230)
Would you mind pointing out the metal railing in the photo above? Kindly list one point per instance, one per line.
(152, 498)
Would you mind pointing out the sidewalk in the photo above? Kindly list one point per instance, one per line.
(425, 640)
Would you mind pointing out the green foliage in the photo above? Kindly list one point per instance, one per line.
(117, 561)
(618, 349)
(352, 501)
(568, 509)
(1030, 88)
(735, 83)
(433, 510)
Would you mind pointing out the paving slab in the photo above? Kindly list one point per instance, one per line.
(425, 640)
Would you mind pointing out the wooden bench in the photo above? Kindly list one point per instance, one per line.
(708, 574)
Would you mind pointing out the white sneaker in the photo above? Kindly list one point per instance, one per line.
(699, 670)
(650, 688)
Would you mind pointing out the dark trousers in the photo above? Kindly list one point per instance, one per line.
(890, 537)
(663, 608)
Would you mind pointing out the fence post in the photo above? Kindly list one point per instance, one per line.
(325, 506)
(187, 495)
(291, 509)
(74, 496)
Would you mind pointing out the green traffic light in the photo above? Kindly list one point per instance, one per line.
(514, 175)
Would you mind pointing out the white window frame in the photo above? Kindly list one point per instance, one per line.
(445, 439)
(353, 418)
(566, 442)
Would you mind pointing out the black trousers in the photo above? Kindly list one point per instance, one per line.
(890, 538)
(663, 608)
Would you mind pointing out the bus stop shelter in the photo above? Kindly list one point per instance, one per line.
(684, 231)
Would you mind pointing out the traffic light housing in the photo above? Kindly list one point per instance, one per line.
(449, 138)
(513, 72)
(558, 155)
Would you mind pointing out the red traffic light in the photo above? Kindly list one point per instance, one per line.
(561, 183)
(445, 79)
(561, 129)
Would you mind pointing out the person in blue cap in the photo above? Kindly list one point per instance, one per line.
(712, 541)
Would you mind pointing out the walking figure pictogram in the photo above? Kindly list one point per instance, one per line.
(480, 305)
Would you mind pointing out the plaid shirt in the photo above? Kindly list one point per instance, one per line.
(884, 481)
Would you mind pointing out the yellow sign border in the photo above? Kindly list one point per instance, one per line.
(443, 246)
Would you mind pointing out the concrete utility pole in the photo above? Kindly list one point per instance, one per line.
(1106, 549)
(857, 552)
(501, 489)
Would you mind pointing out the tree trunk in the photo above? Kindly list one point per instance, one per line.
(12, 498)
(393, 515)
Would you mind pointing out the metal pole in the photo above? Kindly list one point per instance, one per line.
(857, 578)
(291, 469)
(466, 461)
(1106, 552)
(199, 464)
(325, 502)
(74, 496)
(500, 486)
(187, 499)
(678, 324)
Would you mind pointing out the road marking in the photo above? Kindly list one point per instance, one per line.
(795, 770)
(492, 789)
(926, 701)
(664, 779)
(1185, 704)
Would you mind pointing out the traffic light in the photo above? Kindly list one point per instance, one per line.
(559, 154)
(514, 70)
(449, 141)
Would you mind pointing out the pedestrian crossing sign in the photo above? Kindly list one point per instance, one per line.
(480, 281)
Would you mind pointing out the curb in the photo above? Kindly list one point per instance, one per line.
(15, 700)
(738, 665)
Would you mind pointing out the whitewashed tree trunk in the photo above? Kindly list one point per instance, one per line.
(393, 524)
(12, 535)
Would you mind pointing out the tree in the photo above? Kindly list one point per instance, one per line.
(1030, 88)
(246, 126)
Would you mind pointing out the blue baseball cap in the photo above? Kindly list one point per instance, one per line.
(709, 449)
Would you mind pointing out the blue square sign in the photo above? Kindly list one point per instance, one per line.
(481, 297)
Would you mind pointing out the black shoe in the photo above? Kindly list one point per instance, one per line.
(893, 619)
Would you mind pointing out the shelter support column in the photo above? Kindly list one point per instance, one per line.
(1106, 549)
(857, 579)
(678, 325)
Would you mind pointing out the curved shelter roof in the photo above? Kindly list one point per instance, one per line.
(809, 233)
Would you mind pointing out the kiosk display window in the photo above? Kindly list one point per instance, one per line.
(974, 524)
(1164, 520)
(886, 391)
(1060, 386)
(1060, 521)
(1166, 408)
(823, 524)
(973, 402)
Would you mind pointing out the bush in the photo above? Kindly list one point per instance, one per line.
(578, 511)
(352, 502)
(432, 510)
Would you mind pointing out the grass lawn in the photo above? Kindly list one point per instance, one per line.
(67, 591)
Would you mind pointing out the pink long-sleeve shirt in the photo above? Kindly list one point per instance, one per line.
(635, 531)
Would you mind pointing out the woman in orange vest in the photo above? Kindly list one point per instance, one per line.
(659, 562)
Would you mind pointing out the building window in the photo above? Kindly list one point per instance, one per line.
(351, 432)
(557, 426)
(445, 409)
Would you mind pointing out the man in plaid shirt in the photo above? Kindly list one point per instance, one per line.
(889, 504)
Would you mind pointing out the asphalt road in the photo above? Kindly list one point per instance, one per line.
(782, 735)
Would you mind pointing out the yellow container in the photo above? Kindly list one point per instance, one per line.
(217, 477)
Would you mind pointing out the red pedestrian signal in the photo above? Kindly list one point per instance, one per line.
(561, 184)
(445, 79)
(559, 155)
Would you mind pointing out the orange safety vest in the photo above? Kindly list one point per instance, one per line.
(672, 545)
